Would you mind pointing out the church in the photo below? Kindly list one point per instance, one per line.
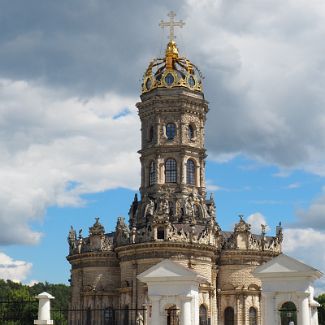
(170, 262)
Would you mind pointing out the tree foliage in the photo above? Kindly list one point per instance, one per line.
(321, 310)
(18, 305)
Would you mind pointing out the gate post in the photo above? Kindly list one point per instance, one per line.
(44, 309)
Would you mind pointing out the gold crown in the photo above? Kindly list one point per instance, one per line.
(172, 70)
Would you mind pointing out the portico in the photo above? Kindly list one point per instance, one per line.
(287, 292)
(173, 291)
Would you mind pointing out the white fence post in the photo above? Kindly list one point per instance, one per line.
(44, 309)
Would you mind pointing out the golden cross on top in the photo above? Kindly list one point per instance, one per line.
(171, 24)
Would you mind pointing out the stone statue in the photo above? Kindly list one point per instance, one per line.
(133, 234)
(212, 210)
(80, 242)
(150, 208)
(122, 231)
(72, 239)
(263, 230)
(189, 207)
(164, 206)
(139, 320)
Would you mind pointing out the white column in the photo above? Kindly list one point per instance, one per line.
(304, 310)
(44, 309)
(155, 312)
(186, 315)
(269, 310)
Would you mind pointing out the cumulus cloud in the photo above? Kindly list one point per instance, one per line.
(263, 64)
(264, 78)
(305, 245)
(53, 149)
(314, 215)
(256, 220)
(14, 270)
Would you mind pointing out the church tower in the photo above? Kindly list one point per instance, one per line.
(173, 219)
(171, 225)
(173, 114)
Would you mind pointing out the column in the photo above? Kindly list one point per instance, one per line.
(244, 312)
(186, 314)
(268, 313)
(155, 312)
(238, 322)
(304, 311)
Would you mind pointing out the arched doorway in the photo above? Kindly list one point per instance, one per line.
(172, 315)
(229, 316)
(288, 313)
(203, 315)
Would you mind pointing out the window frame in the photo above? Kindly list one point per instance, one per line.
(170, 170)
(170, 131)
(190, 172)
(152, 173)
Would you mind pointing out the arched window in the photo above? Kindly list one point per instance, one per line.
(252, 316)
(288, 313)
(170, 131)
(229, 316)
(191, 132)
(203, 315)
(152, 173)
(190, 172)
(170, 171)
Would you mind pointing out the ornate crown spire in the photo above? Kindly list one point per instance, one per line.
(172, 70)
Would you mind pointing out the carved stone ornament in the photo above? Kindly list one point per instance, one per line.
(242, 226)
(96, 229)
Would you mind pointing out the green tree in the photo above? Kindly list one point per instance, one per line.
(321, 310)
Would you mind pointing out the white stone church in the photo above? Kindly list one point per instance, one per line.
(170, 263)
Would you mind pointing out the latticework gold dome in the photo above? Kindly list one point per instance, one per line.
(172, 71)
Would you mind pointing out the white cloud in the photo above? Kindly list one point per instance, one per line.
(256, 220)
(293, 186)
(53, 149)
(265, 79)
(314, 215)
(307, 245)
(14, 270)
(212, 187)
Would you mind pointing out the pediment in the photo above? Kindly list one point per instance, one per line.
(171, 271)
(284, 264)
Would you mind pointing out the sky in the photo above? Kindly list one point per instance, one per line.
(70, 76)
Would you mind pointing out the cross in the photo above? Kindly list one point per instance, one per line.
(171, 24)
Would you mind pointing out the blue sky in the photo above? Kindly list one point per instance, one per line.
(70, 76)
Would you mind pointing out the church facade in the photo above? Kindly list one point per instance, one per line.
(173, 219)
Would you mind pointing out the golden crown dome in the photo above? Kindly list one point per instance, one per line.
(172, 70)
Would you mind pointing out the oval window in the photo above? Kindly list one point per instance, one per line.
(191, 81)
(169, 79)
